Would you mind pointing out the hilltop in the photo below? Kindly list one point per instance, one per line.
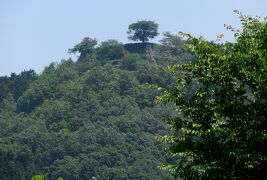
(94, 117)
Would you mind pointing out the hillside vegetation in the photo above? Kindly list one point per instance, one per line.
(93, 118)
(96, 118)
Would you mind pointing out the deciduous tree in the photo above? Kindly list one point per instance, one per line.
(221, 101)
(142, 31)
(85, 47)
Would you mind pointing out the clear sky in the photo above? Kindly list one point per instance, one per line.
(34, 33)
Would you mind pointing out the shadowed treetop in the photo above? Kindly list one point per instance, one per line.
(142, 31)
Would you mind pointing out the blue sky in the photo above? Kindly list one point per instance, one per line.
(34, 33)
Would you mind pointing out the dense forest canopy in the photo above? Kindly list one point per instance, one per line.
(96, 118)
(93, 118)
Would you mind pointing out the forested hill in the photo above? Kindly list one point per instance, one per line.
(94, 118)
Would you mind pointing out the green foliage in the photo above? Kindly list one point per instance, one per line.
(41, 89)
(85, 48)
(38, 177)
(86, 120)
(139, 48)
(16, 84)
(67, 168)
(142, 31)
(130, 62)
(8, 103)
(110, 50)
(45, 86)
(172, 50)
(90, 119)
(220, 129)
(171, 40)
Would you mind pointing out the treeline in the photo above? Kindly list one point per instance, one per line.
(15, 85)
(93, 118)
(96, 118)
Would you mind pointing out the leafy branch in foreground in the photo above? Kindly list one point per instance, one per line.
(220, 128)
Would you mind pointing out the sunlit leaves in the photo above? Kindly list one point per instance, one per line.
(221, 107)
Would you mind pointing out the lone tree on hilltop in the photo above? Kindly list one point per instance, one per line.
(142, 31)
